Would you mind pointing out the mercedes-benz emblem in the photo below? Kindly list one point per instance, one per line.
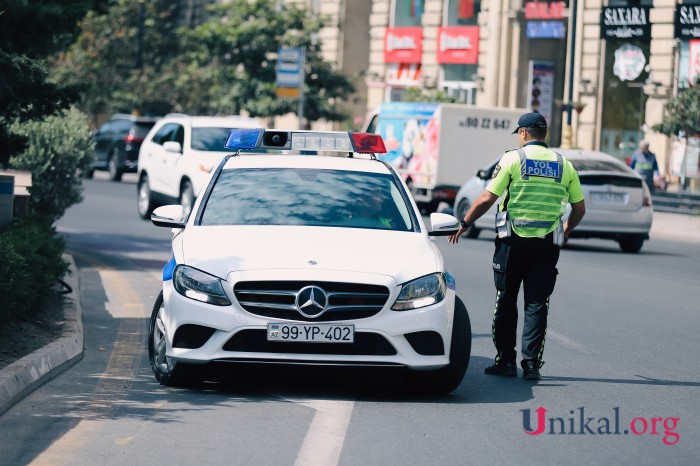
(311, 301)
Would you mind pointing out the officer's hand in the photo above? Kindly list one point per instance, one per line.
(454, 239)
(565, 243)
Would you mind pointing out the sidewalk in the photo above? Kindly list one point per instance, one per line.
(26, 375)
(675, 227)
(21, 378)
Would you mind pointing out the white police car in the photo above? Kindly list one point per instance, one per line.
(289, 257)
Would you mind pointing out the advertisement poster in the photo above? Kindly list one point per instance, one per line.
(692, 157)
(541, 88)
(677, 157)
(404, 128)
(693, 61)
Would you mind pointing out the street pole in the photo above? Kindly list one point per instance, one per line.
(566, 142)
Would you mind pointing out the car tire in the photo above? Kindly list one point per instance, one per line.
(115, 171)
(447, 379)
(186, 198)
(631, 243)
(145, 202)
(166, 371)
(462, 209)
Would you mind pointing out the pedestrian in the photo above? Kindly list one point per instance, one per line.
(537, 183)
(643, 161)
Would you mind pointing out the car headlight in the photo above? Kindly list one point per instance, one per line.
(421, 292)
(199, 286)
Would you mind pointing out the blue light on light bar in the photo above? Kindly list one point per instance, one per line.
(244, 138)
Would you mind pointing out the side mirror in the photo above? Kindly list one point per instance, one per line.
(169, 216)
(443, 224)
(172, 146)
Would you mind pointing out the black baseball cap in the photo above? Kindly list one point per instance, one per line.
(531, 120)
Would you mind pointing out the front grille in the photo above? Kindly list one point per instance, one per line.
(255, 341)
(346, 301)
(192, 336)
(612, 180)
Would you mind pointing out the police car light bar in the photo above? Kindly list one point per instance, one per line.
(334, 141)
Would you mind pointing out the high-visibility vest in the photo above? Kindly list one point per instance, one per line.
(536, 198)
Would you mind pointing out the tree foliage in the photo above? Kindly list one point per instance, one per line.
(121, 60)
(29, 33)
(59, 148)
(223, 66)
(236, 49)
(417, 94)
(682, 113)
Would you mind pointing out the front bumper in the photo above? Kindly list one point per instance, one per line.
(230, 333)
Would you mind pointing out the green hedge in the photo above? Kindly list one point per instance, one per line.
(31, 264)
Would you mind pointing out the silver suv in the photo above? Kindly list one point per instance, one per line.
(177, 155)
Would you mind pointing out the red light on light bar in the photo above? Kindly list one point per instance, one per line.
(366, 143)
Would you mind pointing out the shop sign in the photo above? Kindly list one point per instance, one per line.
(544, 10)
(459, 44)
(403, 45)
(687, 22)
(545, 30)
(625, 22)
(629, 62)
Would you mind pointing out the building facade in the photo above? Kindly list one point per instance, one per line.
(601, 71)
(629, 58)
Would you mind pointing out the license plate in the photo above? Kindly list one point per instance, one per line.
(609, 198)
(314, 333)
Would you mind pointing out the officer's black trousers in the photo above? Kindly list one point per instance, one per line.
(531, 262)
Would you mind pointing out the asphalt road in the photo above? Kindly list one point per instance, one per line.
(620, 383)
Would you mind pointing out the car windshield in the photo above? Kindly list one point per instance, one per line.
(309, 197)
(210, 139)
(598, 165)
(142, 128)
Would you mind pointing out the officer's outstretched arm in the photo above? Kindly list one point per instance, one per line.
(482, 204)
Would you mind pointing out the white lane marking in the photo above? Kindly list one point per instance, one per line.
(566, 342)
(326, 435)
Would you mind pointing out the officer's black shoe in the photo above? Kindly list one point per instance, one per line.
(531, 370)
(507, 369)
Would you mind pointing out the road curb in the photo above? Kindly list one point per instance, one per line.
(21, 378)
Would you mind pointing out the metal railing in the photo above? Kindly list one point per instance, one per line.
(676, 202)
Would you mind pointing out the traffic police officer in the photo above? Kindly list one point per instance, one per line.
(537, 183)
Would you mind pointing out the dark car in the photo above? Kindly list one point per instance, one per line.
(117, 144)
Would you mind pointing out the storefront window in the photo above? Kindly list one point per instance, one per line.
(462, 12)
(408, 13)
(458, 78)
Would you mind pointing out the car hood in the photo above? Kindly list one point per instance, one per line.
(221, 250)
